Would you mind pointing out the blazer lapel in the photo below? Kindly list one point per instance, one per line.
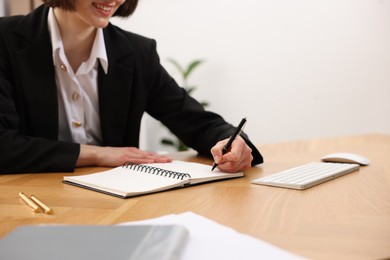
(38, 82)
(115, 88)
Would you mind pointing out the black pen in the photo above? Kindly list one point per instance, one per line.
(227, 146)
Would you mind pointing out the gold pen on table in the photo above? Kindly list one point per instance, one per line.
(29, 202)
(46, 209)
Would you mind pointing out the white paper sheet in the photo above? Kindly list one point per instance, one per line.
(210, 240)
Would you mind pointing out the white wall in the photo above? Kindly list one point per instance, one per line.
(2, 8)
(295, 68)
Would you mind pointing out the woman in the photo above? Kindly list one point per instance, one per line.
(73, 89)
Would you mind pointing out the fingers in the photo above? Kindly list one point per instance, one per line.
(135, 155)
(216, 150)
(239, 157)
(229, 166)
(116, 156)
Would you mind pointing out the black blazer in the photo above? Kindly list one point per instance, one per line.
(135, 83)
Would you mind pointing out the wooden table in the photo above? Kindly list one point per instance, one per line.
(346, 218)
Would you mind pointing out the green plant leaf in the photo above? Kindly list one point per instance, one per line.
(190, 90)
(191, 68)
(178, 66)
(181, 147)
(204, 103)
(166, 141)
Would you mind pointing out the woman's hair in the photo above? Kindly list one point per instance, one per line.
(124, 10)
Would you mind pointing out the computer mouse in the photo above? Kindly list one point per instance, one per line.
(346, 158)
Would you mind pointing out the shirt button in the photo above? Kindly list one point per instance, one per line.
(63, 67)
(76, 124)
(75, 96)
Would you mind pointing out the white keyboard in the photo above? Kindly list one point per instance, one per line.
(307, 175)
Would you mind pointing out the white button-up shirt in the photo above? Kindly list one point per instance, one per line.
(78, 102)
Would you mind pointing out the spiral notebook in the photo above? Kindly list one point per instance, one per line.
(132, 180)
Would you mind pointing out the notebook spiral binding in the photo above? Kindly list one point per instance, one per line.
(156, 171)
